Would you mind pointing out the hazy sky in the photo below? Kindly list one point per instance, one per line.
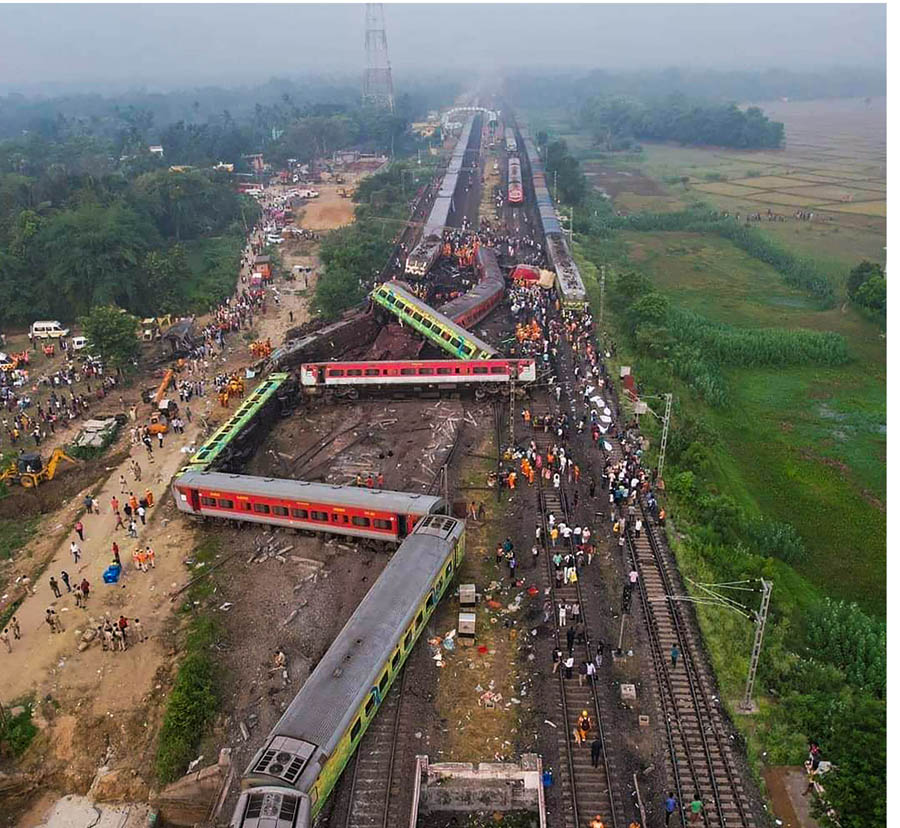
(183, 45)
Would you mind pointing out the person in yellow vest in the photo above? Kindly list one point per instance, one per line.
(584, 725)
(596, 822)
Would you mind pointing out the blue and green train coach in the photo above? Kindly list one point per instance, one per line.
(292, 774)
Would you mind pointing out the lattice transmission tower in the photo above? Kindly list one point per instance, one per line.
(378, 89)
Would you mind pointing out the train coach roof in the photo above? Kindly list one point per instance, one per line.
(353, 496)
(401, 290)
(337, 687)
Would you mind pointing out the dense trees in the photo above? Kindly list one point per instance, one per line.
(615, 121)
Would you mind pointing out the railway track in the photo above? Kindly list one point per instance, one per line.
(591, 791)
(700, 753)
(376, 789)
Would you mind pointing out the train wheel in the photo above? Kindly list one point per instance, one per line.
(353, 394)
(480, 394)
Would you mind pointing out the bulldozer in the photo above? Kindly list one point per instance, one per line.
(28, 470)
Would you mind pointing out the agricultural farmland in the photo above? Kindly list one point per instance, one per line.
(833, 165)
(801, 444)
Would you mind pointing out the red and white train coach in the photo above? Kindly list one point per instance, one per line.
(319, 507)
(318, 376)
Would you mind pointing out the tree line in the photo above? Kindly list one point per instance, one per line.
(614, 122)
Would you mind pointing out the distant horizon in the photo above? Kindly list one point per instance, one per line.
(106, 88)
(182, 46)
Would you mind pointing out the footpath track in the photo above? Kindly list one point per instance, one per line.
(590, 790)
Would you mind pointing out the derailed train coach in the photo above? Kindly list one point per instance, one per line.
(291, 776)
(353, 511)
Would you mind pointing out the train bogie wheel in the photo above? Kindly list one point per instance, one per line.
(480, 394)
(353, 394)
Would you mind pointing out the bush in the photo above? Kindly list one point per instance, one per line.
(774, 539)
(17, 732)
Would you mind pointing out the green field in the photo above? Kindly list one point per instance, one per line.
(804, 445)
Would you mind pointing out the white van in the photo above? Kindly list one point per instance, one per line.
(48, 330)
(79, 342)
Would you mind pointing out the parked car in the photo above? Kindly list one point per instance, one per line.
(274, 239)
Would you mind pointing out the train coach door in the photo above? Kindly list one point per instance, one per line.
(195, 499)
(402, 524)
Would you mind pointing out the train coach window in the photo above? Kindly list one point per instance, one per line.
(448, 569)
(417, 316)
(479, 369)
(323, 516)
(384, 681)
(407, 640)
(373, 372)
(262, 508)
(430, 600)
(225, 503)
(456, 343)
(354, 372)
(370, 705)
(420, 618)
(443, 370)
(445, 335)
(361, 521)
(426, 372)
(407, 372)
(395, 661)
(380, 523)
(208, 501)
(354, 731)
(426, 323)
(498, 369)
(248, 506)
(280, 510)
(336, 372)
(300, 513)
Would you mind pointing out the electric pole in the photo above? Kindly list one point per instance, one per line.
(602, 297)
(760, 621)
(665, 437)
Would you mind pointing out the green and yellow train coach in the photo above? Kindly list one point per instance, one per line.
(291, 776)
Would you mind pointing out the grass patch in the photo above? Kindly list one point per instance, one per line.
(194, 700)
(14, 534)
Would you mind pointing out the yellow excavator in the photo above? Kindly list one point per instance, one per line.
(28, 470)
